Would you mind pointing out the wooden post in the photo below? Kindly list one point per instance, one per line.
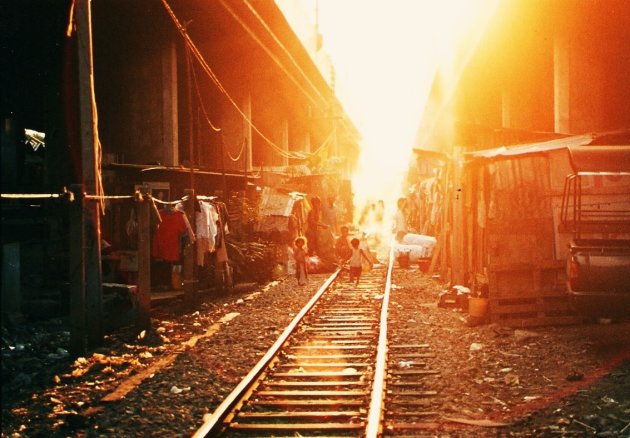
(78, 334)
(446, 223)
(89, 166)
(457, 250)
(190, 281)
(144, 260)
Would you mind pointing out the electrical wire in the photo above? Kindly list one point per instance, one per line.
(201, 104)
(218, 83)
(240, 153)
(270, 53)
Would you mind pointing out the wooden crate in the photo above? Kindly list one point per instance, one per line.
(543, 308)
(530, 294)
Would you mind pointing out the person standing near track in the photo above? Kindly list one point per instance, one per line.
(400, 220)
(299, 254)
(356, 261)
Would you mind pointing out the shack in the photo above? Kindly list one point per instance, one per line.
(507, 237)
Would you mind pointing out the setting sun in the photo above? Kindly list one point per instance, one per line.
(386, 55)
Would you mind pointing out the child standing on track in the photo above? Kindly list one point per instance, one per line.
(299, 254)
(356, 260)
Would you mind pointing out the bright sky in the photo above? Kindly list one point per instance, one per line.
(385, 54)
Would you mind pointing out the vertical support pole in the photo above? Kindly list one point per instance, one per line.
(190, 282)
(78, 334)
(89, 165)
(144, 260)
(457, 250)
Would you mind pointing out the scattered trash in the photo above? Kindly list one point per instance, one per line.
(531, 397)
(505, 370)
(482, 423)
(511, 379)
(455, 297)
(608, 400)
(475, 346)
(176, 390)
(405, 364)
(525, 335)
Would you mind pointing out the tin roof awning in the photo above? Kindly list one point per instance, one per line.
(600, 159)
(179, 169)
(532, 148)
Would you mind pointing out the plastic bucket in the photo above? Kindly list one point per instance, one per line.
(477, 306)
(403, 259)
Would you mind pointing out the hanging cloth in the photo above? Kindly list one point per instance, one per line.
(167, 236)
(205, 223)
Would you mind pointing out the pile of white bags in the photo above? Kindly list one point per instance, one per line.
(418, 246)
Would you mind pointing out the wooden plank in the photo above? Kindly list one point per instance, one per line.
(312, 393)
(91, 178)
(309, 403)
(410, 394)
(190, 280)
(300, 414)
(327, 365)
(401, 346)
(413, 372)
(537, 321)
(299, 384)
(319, 374)
(411, 414)
(297, 426)
(144, 261)
(399, 356)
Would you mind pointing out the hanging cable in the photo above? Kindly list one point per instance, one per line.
(240, 153)
(203, 107)
(273, 57)
(284, 49)
(217, 82)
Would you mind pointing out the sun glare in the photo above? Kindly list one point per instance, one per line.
(386, 53)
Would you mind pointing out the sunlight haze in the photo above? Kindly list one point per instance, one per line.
(385, 55)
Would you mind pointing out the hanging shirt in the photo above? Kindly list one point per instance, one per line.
(355, 258)
(166, 238)
(206, 222)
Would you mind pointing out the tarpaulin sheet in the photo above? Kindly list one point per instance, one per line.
(533, 148)
(615, 159)
(275, 203)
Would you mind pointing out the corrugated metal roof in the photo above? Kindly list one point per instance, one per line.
(532, 148)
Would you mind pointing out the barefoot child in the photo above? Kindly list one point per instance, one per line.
(299, 253)
(355, 261)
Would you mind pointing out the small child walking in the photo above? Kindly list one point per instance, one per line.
(299, 254)
(356, 261)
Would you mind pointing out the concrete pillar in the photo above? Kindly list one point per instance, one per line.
(284, 141)
(561, 85)
(170, 135)
(247, 133)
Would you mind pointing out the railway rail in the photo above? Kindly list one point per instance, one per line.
(332, 372)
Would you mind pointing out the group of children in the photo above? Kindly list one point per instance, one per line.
(347, 251)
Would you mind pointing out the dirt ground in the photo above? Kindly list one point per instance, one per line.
(493, 381)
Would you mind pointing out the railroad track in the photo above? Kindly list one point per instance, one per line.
(327, 374)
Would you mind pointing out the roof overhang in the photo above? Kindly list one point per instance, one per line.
(531, 148)
(600, 159)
